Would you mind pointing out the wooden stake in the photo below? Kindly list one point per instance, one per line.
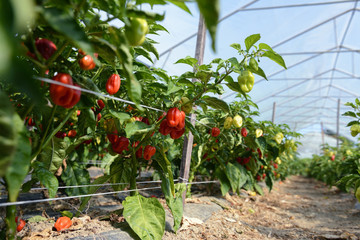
(188, 141)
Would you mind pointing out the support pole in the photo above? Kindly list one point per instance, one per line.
(338, 124)
(273, 115)
(188, 141)
(322, 134)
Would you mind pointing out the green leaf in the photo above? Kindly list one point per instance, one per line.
(180, 4)
(352, 123)
(134, 91)
(192, 129)
(142, 52)
(47, 179)
(275, 57)
(20, 163)
(258, 189)
(188, 60)
(265, 46)
(135, 128)
(251, 40)
(151, 48)
(146, 216)
(261, 143)
(224, 181)
(65, 24)
(144, 14)
(174, 203)
(67, 214)
(120, 172)
(216, 103)
(259, 72)
(236, 177)
(350, 114)
(8, 133)
(120, 115)
(236, 46)
(75, 174)
(210, 10)
(350, 104)
(54, 154)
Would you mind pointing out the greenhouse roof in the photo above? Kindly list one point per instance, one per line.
(319, 41)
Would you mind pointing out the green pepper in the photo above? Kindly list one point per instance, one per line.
(136, 31)
(246, 81)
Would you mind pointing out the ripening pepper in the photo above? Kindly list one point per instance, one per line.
(139, 152)
(113, 84)
(175, 134)
(237, 121)
(45, 47)
(278, 138)
(165, 129)
(228, 122)
(215, 132)
(173, 117)
(258, 133)
(244, 132)
(149, 151)
(246, 81)
(87, 63)
(61, 95)
(135, 32)
(121, 144)
(62, 223)
(186, 106)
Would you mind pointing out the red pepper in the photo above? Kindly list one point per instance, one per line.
(258, 178)
(62, 223)
(165, 129)
(87, 63)
(45, 47)
(101, 104)
(175, 134)
(113, 84)
(64, 96)
(244, 132)
(259, 152)
(121, 144)
(139, 151)
(75, 99)
(149, 151)
(181, 124)
(215, 132)
(31, 122)
(60, 134)
(275, 165)
(112, 138)
(20, 224)
(173, 117)
(98, 117)
(72, 133)
(146, 121)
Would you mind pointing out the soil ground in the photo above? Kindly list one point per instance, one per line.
(298, 208)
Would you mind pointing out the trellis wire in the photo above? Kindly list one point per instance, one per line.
(102, 95)
(90, 195)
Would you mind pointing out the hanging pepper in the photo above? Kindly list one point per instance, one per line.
(165, 129)
(244, 132)
(237, 121)
(246, 81)
(258, 133)
(113, 84)
(278, 138)
(215, 132)
(173, 117)
(139, 152)
(228, 122)
(62, 223)
(45, 47)
(87, 63)
(186, 106)
(149, 151)
(181, 123)
(121, 144)
(101, 104)
(61, 95)
(175, 134)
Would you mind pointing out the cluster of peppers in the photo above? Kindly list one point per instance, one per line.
(174, 124)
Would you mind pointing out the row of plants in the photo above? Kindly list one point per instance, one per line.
(51, 131)
(338, 167)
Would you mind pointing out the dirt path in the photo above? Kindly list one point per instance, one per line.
(299, 208)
